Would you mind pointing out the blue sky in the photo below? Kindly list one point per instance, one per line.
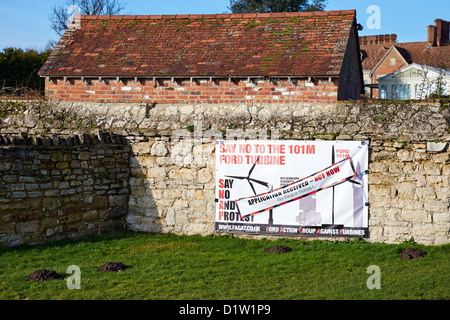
(25, 23)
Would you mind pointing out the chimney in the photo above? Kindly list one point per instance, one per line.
(379, 39)
(431, 36)
(442, 32)
(393, 39)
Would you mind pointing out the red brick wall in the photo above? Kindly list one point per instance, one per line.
(386, 68)
(197, 91)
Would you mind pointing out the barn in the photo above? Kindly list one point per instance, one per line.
(300, 57)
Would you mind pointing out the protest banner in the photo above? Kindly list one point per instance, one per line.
(316, 188)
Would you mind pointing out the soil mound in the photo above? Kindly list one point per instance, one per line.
(113, 266)
(43, 275)
(278, 249)
(412, 253)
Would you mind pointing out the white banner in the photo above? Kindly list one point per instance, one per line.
(292, 187)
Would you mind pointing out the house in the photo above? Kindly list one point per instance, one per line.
(218, 58)
(382, 55)
(414, 81)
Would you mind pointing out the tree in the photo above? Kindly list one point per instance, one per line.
(262, 6)
(19, 68)
(61, 12)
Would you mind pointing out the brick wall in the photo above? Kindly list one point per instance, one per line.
(197, 91)
(386, 67)
(378, 39)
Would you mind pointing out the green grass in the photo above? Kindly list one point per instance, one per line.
(171, 267)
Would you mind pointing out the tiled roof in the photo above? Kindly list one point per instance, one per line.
(372, 54)
(265, 44)
(422, 53)
(413, 52)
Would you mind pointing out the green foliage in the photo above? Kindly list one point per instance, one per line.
(9, 107)
(261, 6)
(410, 242)
(19, 68)
(253, 24)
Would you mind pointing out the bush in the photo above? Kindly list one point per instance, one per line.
(19, 69)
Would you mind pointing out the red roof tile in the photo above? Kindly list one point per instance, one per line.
(302, 44)
(422, 53)
(372, 54)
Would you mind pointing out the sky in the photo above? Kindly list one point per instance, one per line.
(25, 23)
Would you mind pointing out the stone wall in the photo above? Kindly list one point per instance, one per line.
(172, 160)
(61, 186)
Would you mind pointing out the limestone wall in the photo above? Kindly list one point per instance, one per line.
(172, 161)
(61, 186)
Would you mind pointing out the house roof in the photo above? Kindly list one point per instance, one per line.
(422, 53)
(397, 51)
(413, 52)
(265, 44)
(436, 71)
(372, 54)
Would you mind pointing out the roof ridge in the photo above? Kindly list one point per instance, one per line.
(421, 42)
(219, 15)
(397, 44)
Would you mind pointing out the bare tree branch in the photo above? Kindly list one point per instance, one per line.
(61, 12)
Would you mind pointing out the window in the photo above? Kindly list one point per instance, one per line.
(407, 92)
(394, 91)
(401, 91)
(438, 88)
(423, 91)
(441, 89)
(383, 92)
(393, 62)
(420, 94)
(445, 89)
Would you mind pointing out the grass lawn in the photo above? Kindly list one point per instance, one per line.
(172, 267)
